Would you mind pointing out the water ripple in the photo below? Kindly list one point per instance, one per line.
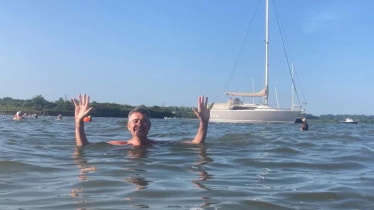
(241, 166)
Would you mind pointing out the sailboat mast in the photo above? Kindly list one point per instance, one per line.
(266, 51)
(292, 87)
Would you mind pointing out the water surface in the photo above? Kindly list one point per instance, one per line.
(241, 166)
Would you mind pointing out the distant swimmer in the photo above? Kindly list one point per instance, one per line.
(36, 116)
(18, 116)
(87, 119)
(304, 126)
(138, 123)
(59, 117)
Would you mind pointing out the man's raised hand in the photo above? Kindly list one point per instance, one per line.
(81, 107)
(203, 111)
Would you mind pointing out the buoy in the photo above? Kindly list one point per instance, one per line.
(87, 119)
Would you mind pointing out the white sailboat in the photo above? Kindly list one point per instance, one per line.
(237, 111)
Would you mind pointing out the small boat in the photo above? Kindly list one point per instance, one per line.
(349, 121)
(168, 118)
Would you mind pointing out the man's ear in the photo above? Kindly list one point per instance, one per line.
(128, 125)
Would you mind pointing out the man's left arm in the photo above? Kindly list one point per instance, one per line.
(203, 114)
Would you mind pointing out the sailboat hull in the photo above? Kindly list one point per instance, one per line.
(255, 116)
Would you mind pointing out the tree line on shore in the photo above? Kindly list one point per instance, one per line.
(38, 105)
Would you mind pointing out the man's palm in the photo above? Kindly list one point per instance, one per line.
(203, 111)
(82, 107)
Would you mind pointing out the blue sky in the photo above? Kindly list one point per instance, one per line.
(168, 52)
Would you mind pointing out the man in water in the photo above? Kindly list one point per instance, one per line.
(18, 116)
(304, 126)
(139, 123)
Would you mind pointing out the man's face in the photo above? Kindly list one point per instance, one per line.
(139, 125)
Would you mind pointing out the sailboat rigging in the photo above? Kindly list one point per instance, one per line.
(236, 110)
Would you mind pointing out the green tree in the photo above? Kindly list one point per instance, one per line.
(38, 102)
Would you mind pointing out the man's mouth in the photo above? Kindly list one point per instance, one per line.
(139, 129)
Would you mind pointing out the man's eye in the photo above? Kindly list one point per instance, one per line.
(141, 121)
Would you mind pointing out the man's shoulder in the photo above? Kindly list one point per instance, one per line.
(128, 142)
(118, 142)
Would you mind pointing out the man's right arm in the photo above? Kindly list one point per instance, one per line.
(80, 135)
(81, 110)
(203, 114)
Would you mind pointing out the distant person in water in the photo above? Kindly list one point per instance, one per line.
(18, 116)
(304, 126)
(138, 124)
(36, 116)
(59, 117)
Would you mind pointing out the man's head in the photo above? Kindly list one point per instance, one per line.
(19, 114)
(139, 122)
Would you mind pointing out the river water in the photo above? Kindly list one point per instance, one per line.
(241, 166)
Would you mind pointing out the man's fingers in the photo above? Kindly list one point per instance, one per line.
(84, 99)
(195, 112)
(75, 102)
(206, 102)
(88, 100)
(211, 105)
(199, 103)
(88, 111)
(80, 99)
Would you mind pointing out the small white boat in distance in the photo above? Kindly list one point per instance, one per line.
(349, 121)
(168, 118)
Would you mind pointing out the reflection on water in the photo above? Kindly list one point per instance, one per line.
(202, 174)
(138, 153)
(241, 166)
(140, 182)
(74, 192)
(82, 163)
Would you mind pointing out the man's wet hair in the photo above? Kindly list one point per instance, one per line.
(140, 109)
